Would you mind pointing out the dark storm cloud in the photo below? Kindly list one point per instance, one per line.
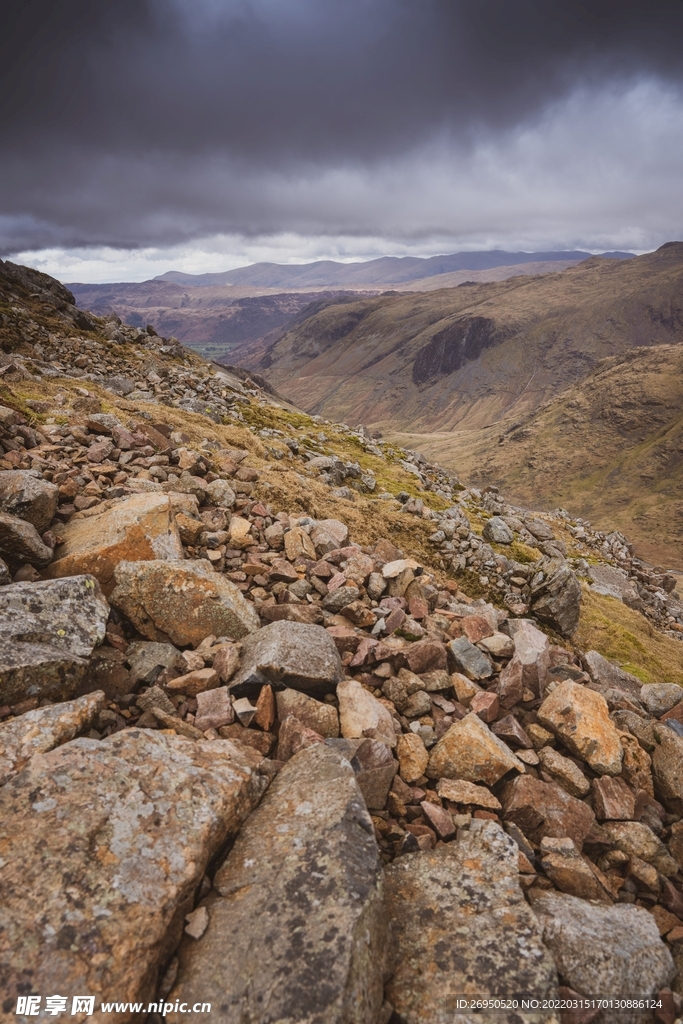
(110, 113)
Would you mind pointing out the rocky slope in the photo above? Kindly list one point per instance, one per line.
(295, 727)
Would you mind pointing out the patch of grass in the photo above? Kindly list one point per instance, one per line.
(627, 638)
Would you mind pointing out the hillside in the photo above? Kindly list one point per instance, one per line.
(268, 683)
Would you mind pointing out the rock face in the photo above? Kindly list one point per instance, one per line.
(296, 923)
(605, 951)
(46, 630)
(182, 601)
(293, 654)
(140, 527)
(25, 494)
(581, 718)
(132, 821)
(470, 751)
(41, 730)
(461, 927)
(557, 601)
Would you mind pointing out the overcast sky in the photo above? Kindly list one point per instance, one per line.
(138, 136)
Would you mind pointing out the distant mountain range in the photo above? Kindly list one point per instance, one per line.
(388, 270)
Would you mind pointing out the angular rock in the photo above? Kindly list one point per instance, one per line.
(194, 683)
(470, 751)
(297, 655)
(659, 698)
(529, 665)
(497, 531)
(469, 660)
(570, 872)
(219, 492)
(328, 535)
(580, 717)
(557, 600)
(606, 675)
(607, 951)
(148, 659)
(133, 820)
(297, 542)
(138, 528)
(509, 729)
(183, 602)
(214, 709)
(637, 839)
(338, 599)
(613, 800)
(361, 714)
(564, 771)
(41, 730)
(447, 908)
(303, 887)
(314, 714)
(20, 542)
(24, 493)
(295, 736)
(545, 809)
(412, 756)
(460, 792)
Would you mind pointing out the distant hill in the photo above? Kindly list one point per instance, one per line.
(386, 271)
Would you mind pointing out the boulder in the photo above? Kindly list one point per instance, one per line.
(564, 771)
(115, 839)
(659, 698)
(138, 528)
(466, 658)
(604, 951)
(298, 655)
(470, 751)
(328, 535)
(361, 714)
(528, 669)
(183, 602)
(20, 542)
(580, 717)
(47, 629)
(5, 576)
(24, 493)
(557, 600)
(461, 928)
(545, 809)
(497, 531)
(296, 919)
(570, 872)
(314, 714)
(608, 676)
(41, 730)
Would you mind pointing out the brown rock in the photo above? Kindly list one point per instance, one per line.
(189, 529)
(545, 809)
(570, 872)
(511, 731)
(485, 705)
(226, 662)
(564, 771)
(476, 628)
(637, 839)
(469, 750)
(297, 543)
(293, 654)
(308, 614)
(24, 493)
(426, 656)
(361, 714)
(265, 709)
(213, 709)
(460, 792)
(194, 682)
(181, 601)
(440, 820)
(412, 757)
(613, 800)
(580, 717)
(293, 737)
(20, 542)
(314, 714)
(635, 768)
(138, 528)
(261, 741)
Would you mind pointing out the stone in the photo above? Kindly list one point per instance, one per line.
(181, 601)
(476, 628)
(580, 717)
(298, 543)
(138, 528)
(570, 872)
(564, 771)
(309, 614)
(265, 709)
(24, 493)
(314, 714)
(375, 770)
(189, 528)
(412, 757)
(465, 688)
(637, 839)
(426, 656)
(239, 533)
(193, 683)
(417, 705)
(447, 907)
(261, 741)
(338, 599)
(545, 809)
(497, 531)
(214, 709)
(440, 820)
(47, 629)
(613, 800)
(295, 736)
(43, 729)
(498, 645)
(5, 575)
(220, 493)
(604, 951)
(328, 535)
(557, 601)
(485, 705)
(466, 658)
(133, 820)
(245, 711)
(174, 723)
(539, 736)
(155, 697)
(458, 791)
(147, 660)
(297, 655)
(20, 542)
(637, 764)
(470, 751)
(302, 886)
(509, 729)
(666, 752)
(659, 698)
(606, 675)
(361, 714)
(226, 662)
(528, 669)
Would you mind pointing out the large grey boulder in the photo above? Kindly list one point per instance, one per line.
(659, 698)
(497, 531)
(604, 951)
(608, 676)
(115, 839)
(47, 629)
(296, 926)
(25, 494)
(556, 600)
(293, 654)
(461, 927)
